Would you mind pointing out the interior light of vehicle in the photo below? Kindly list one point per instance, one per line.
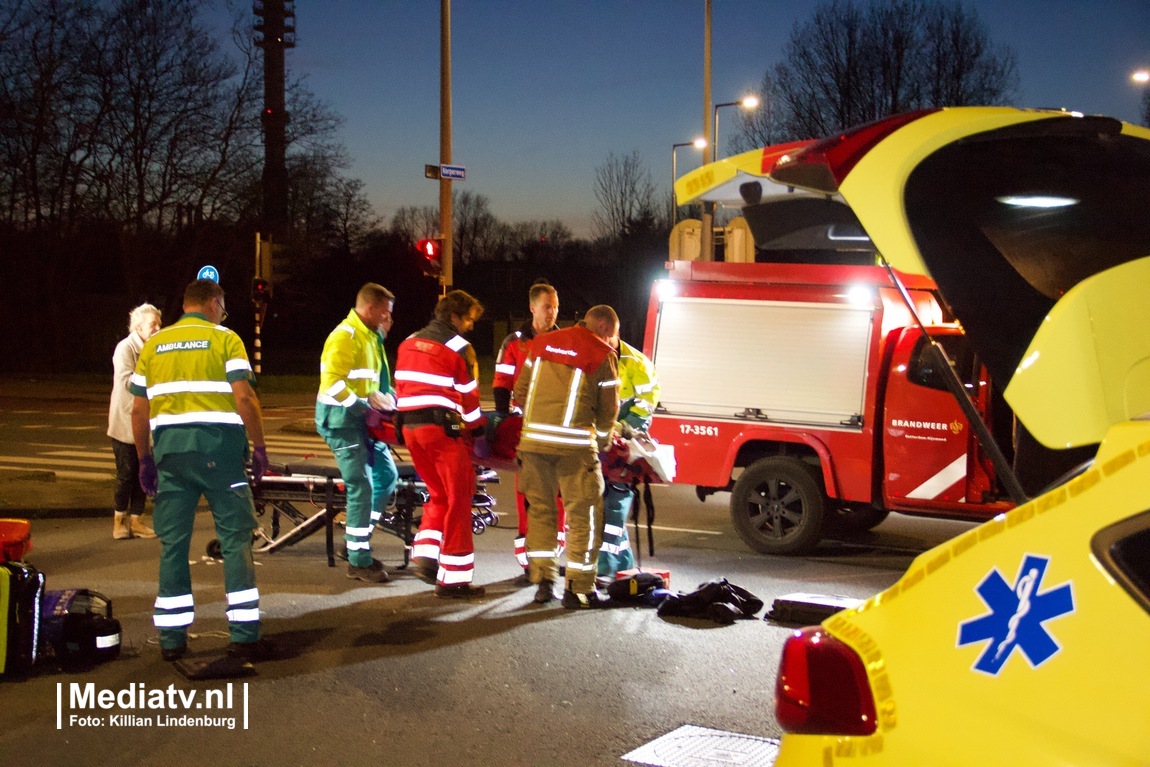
(822, 687)
(846, 233)
(1036, 201)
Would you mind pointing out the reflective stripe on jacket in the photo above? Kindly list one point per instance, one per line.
(352, 366)
(512, 354)
(436, 367)
(186, 372)
(570, 388)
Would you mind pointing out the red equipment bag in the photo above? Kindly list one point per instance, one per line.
(385, 432)
(15, 539)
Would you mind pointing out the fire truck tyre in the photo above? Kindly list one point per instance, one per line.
(858, 520)
(778, 506)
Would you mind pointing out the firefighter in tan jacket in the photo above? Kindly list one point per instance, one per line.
(570, 389)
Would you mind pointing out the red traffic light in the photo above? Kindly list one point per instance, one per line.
(429, 249)
(261, 291)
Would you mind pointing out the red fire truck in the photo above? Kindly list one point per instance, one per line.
(810, 393)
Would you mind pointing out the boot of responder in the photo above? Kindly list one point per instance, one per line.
(121, 526)
(139, 529)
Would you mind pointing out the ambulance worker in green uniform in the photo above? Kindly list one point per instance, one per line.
(194, 400)
(354, 388)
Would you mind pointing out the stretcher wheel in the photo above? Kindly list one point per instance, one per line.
(477, 524)
(214, 550)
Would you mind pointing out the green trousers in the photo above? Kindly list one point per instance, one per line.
(370, 476)
(183, 479)
(615, 554)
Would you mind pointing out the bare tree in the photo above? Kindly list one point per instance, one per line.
(352, 214)
(161, 77)
(962, 67)
(412, 224)
(763, 126)
(48, 118)
(473, 232)
(820, 83)
(625, 192)
(852, 63)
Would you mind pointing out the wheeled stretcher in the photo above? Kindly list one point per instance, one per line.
(299, 499)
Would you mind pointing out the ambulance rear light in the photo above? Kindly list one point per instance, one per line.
(823, 165)
(822, 687)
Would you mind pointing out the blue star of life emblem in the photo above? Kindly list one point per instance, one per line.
(1016, 617)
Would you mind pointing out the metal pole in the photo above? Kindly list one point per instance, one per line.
(257, 346)
(715, 134)
(446, 213)
(674, 176)
(708, 231)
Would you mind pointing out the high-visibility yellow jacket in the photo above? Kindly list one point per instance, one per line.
(186, 371)
(638, 386)
(352, 366)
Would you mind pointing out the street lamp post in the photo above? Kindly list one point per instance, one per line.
(750, 102)
(698, 143)
(1141, 78)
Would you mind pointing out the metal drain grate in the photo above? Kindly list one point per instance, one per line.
(691, 746)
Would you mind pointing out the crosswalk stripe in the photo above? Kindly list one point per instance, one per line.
(63, 474)
(59, 428)
(57, 462)
(62, 461)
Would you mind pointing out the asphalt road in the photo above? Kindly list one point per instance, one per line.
(388, 674)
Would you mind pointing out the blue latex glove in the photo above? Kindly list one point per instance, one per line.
(373, 418)
(149, 477)
(259, 462)
(480, 447)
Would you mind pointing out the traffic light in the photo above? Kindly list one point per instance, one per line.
(261, 291)
(430, 250)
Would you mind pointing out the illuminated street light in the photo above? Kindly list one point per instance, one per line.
(1141, 76)
(698, 143)
(749, 102)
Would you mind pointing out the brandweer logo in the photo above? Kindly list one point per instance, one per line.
(902, 423)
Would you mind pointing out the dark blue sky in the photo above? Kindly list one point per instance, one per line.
(544, 90)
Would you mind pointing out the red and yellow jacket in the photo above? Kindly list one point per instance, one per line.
(570, 391)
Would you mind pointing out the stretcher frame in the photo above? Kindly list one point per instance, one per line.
(320, 486)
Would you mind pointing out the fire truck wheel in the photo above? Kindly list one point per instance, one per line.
(778, 506)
